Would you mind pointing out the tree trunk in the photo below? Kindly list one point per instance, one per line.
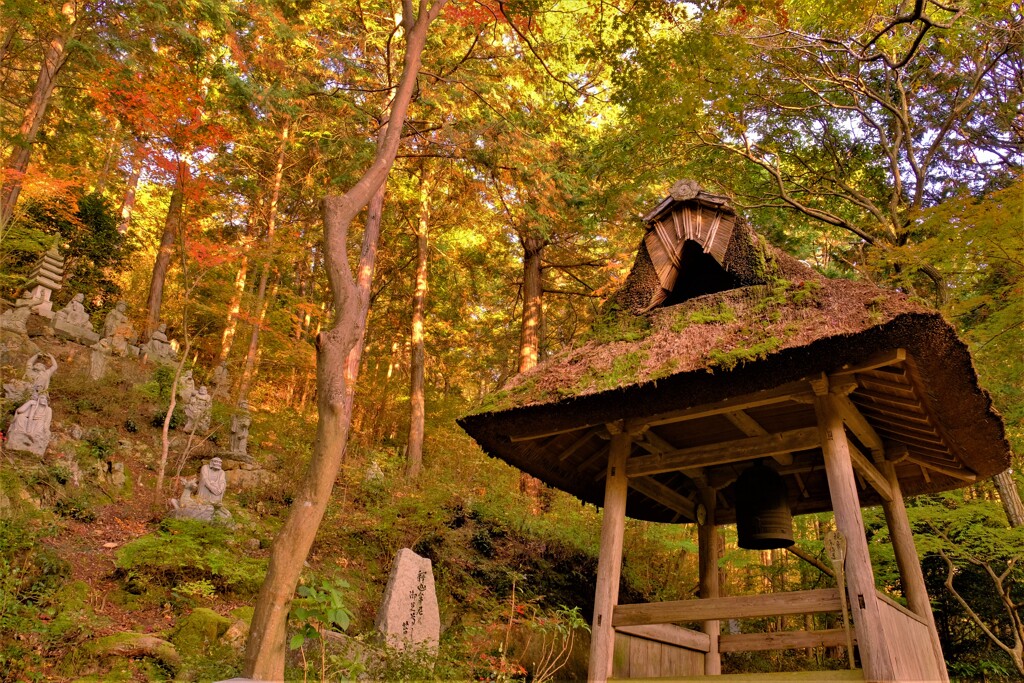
(234, 308)
(417, 414)
(55, 54)
(1010, 497)
(338, 354)
(131, 187)
(163, 257)
(530, 335)
(260, 306)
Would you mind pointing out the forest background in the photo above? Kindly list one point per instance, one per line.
(180, 153)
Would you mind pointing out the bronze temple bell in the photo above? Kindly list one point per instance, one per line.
(763, 517)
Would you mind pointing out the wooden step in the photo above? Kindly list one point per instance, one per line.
(807, 676)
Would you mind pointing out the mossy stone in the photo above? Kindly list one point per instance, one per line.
(199, 630)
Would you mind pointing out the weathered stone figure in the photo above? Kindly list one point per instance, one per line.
(158, 346)
(240, 424)
(16, 319)
(116, 321)
(198, 411)
(202, 497)
(186, 387)
(221, 381)
(37, 377)
(72, 322)
(101, 352)
(30, 428)
(213, 482)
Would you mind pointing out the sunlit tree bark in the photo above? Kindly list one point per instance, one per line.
(417, 401)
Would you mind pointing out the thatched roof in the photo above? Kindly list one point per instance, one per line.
(713, 339)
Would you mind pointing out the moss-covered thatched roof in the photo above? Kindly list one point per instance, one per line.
(711, 314)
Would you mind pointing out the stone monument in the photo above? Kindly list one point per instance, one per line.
(197, 411)
(72, 322)
(202, 498)
(99, 358)
(408, 617)
(240, 423)
(37, 378)
(159, 348)
(44, 280)
(30, 428)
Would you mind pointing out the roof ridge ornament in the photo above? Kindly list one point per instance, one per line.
(685, 189)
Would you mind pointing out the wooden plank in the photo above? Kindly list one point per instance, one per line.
(896, 434)
(905, 403)
(886, 385)
(782, 640)
(874, 410)
(645, 658)
(901, 608)
(736, 607)
(655, 490)
(707, 576)
(858, 424)
(751, 427)
(870, 473)
(620, 656)
(553, 432)
(724, 452)
(671, 635)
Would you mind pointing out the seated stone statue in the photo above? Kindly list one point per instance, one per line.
(158, 346)
(37, 377)
(118, 329)
(74, 313)
(30, 428)
(240, 424)
(16, 319)
(202, 498)
(197, 411)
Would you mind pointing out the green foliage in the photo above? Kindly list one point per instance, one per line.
(761, 347)
(616, 326)
(720, 313)
(319, 609)
(181, 551)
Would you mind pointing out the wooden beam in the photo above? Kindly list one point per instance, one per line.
(609, 562)
(670, 635)
(795, 391)
(948, 471)
(782, 640)
(724, 452)
(553, 432)
(867, 470)
(658, 492)
(881, 360)
(708, 579)
(750, 427)
(858, 424)
(575, 446)
(738, 607)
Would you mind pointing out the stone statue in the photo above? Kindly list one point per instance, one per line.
(159, 348)
(116, 320)
(221, 381)
(16, 319)
(72, 322)
(37, 377)
(186, 387)
(240, 424)
(74, 313)
(198, 411)
(30, 428)
(203, 498)
(46, 278)
(118, 329)
(101, 352)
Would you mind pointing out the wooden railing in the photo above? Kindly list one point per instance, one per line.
(647, 632)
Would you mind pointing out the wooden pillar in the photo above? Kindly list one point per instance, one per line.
(911, 576)
(609, 564)
(707, 549)
(860, 580)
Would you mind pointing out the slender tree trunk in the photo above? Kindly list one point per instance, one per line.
(530, 335)
(1009, 495)
(417, 414)
(131, 187)
(234, 308)
(262, 302)
(55, 54)
(172, 225)
(338, 354)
